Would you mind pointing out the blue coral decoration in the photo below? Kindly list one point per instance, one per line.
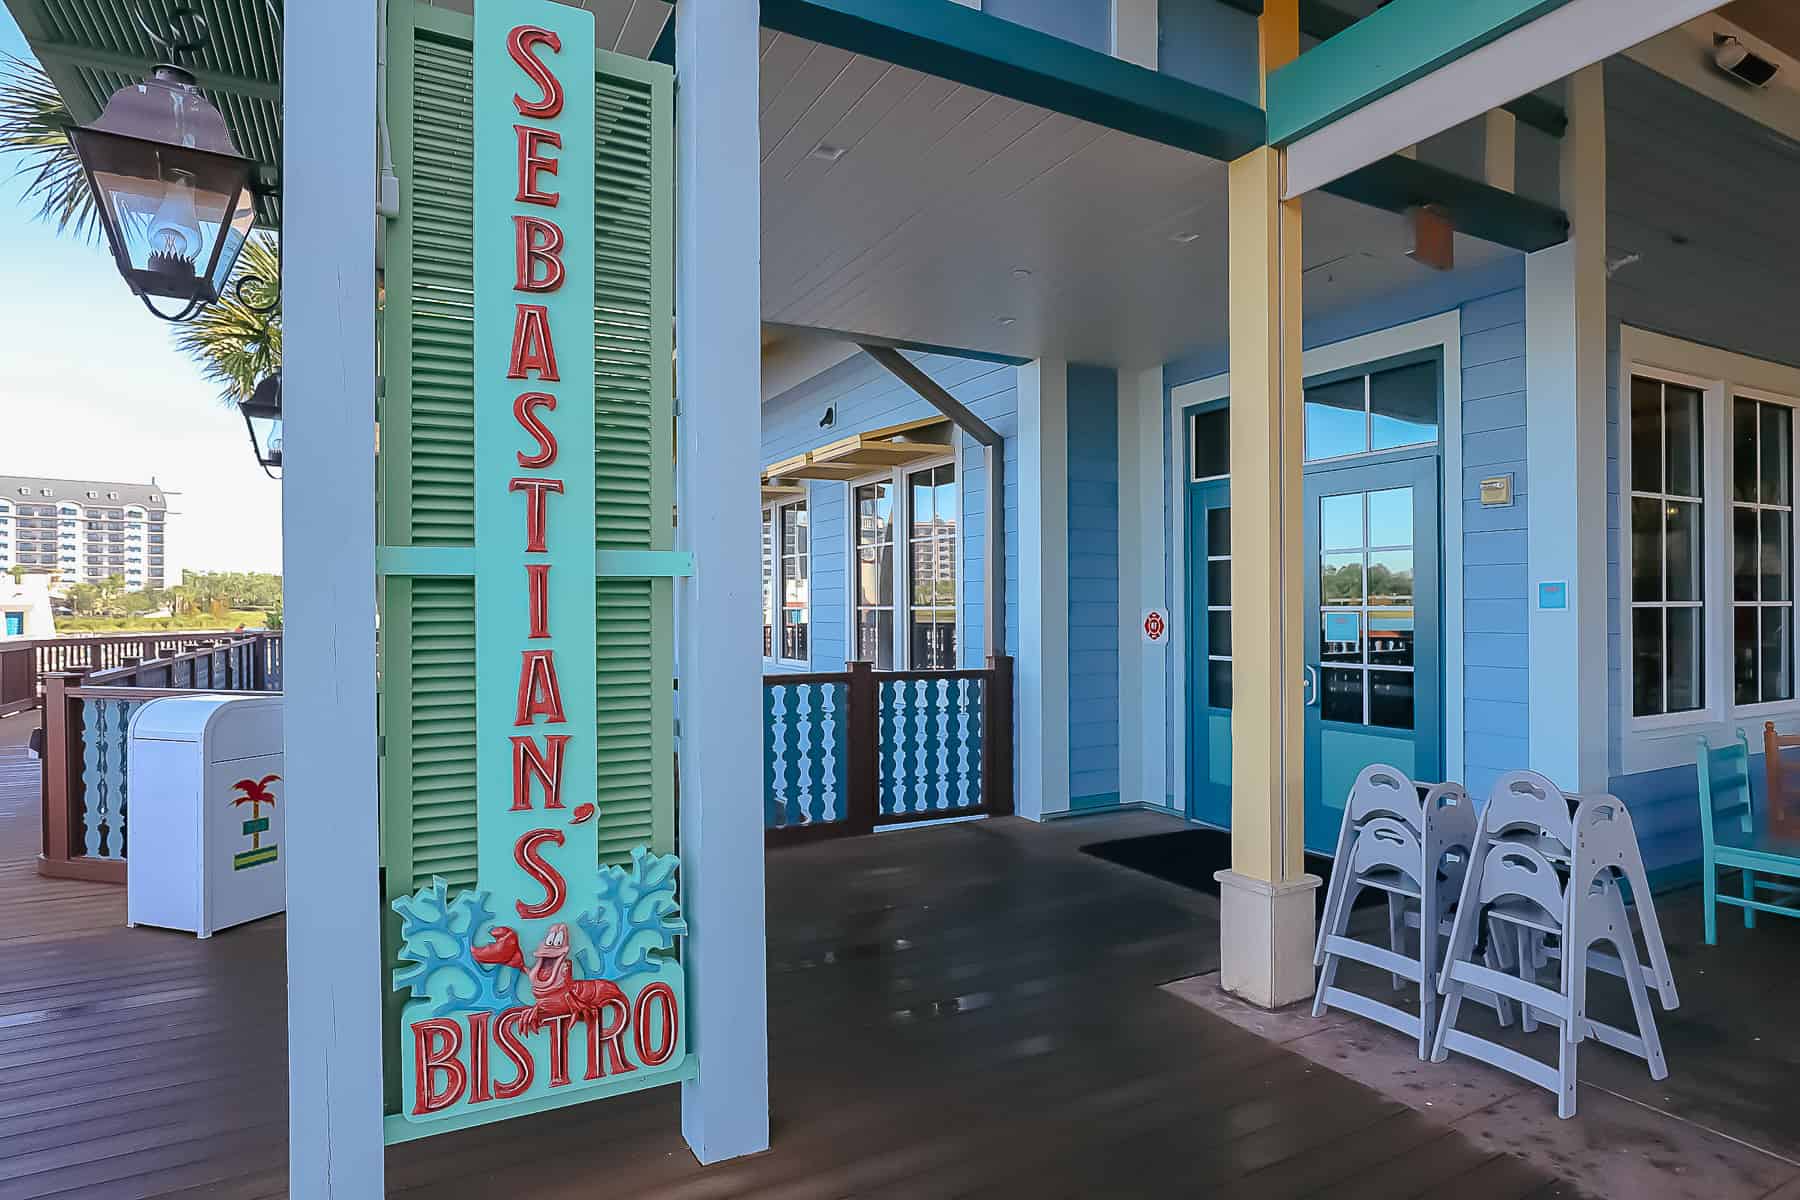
(637, 917)
(437, 964)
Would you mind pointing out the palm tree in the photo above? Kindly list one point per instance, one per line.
(236, 341)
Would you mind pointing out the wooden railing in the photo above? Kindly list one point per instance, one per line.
(847, 752)
(87, 748)
(23, 664)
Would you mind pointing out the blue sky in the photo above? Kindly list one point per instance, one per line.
(91, 387)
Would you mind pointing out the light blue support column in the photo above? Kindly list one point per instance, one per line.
(1043, 663)
(725, 1110)
(328, 536)
(1565, 449)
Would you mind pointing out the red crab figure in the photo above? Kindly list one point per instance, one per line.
(554, 988)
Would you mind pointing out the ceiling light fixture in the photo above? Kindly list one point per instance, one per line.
(1021, 273)
(1184, 237)
(1008, 320)
(826, 152)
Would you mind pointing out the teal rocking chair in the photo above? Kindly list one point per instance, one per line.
(1733, 841)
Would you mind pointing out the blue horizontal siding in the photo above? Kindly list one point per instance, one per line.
(1093, 667)
(1084, 22)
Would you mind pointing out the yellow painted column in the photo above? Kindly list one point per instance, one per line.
(1266, 898)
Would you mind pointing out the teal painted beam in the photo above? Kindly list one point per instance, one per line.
(1397, 183)
(979, 50)
(1382, 53)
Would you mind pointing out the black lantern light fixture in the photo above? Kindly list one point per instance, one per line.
(173, 194)
(262, 418)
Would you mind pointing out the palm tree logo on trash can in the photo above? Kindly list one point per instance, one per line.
(255, 793)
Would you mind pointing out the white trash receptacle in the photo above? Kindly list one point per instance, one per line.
(206, 813)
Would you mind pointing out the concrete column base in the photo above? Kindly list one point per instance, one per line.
(1266, 935)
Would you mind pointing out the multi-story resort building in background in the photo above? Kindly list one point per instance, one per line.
(81, 531)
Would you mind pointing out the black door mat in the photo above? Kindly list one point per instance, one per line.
(1189, 858)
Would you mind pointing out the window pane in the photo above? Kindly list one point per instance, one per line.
(1340, 579)
(1218, 582)
(1686, 688)
(1744, 654)
(1745, 554)
(1681, 412)
(1218, 531)
(1743, 450)
(1390, 577)
(1335, 422)
(875, 637)
(1777, 654)
(1391, 517)
(1340, 695)
(794, 641)
(1218, 633)
(934, 640)
(1646, 661)
(875, 575)
(1777, 451)
(1646, 550)
(1218, 683)
(921, 502)
(1340, 637)
(1684, 556)
(1403, 405)
(1391, 699)
(944, 504)
(1341, 522)
(1777, 567)
(1212, 443)
(1646, 435)
(1391, 638)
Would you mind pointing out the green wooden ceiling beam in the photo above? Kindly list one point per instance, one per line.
(129, 64)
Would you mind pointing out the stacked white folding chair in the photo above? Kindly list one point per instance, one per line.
(1515, 886)
(1415, 849)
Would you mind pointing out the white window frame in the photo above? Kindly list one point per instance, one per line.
(776, 581)
(902, 649)
(1670, 739)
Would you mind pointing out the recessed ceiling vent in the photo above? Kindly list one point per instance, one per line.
(1742, 63)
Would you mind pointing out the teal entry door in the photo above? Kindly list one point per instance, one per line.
(1208, 628)
(1374, 676)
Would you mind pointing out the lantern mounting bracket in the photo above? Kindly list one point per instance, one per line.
(184, 31)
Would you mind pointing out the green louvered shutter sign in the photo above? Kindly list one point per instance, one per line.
(428, 453)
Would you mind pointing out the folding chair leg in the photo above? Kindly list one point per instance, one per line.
(1527, 974)
(1446, 1021)
(1397, 931)
(1568, 1042)
(1749, 894)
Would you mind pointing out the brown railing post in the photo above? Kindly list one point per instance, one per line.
(863, 702)
(61, 801)
(997, 737)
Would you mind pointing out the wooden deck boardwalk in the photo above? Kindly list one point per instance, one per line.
(968, 1010)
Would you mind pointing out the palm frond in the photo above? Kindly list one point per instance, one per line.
(34, 128)
(235, 345)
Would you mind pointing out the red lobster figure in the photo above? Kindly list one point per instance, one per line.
(554, 988)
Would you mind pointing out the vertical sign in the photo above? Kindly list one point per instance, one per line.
(553, 980)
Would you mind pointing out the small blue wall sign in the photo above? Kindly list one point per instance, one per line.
(1553, 594)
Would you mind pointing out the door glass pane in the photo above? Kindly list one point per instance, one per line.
(1391, 517)
(1340, 579)
(1646, 550)
(1391, 699)
(1686, 657)
(1335, 420)
(1777, 450)
(1218, 683)
(1218, 633)
(1777, 653)
(933, 640)
(1684, 557)
(1646, 661)
(1745, 554)
(1646, 435)
(1341, 695)
(1212, 443)
(1390, 577)
(1403, 406)
(875, 637)
(1391, 637)
(1218, 531)
(1341, 522)
(1743, 450)
(1681, 413)
(1218, 582)
(1745, 652)
(1340, 637)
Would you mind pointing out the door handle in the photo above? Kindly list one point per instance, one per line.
(1310, 687)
